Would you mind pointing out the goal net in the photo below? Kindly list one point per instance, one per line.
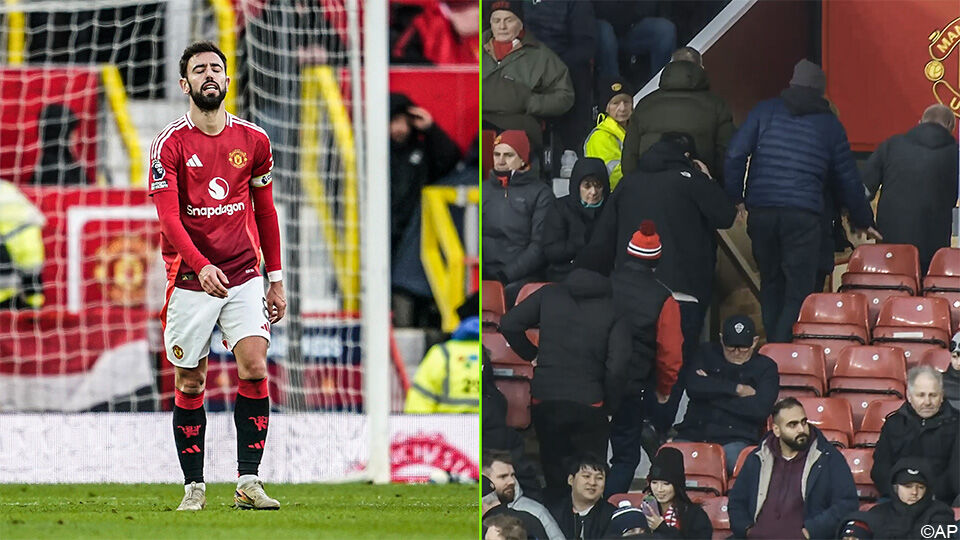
(84, 88)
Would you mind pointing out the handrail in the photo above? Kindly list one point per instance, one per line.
(117, 98)
(441, 250)
(740, 262)
(227, 38)
(320, 82)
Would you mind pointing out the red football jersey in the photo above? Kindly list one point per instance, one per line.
(212, 176)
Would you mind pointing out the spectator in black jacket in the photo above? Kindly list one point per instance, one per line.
(584, 514)
(570, 221)
(581, 363)
(925, 427)
(672, 189)
(732, 391)
(912, 505)
(918, 173)
(656, 355)
(795, 145)
(673, 515)
(420, 154)
(515, 204)
(568, 28)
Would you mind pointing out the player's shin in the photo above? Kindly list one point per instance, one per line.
(251, 416)
(189, 426)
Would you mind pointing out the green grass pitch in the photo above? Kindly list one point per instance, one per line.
(134, 511)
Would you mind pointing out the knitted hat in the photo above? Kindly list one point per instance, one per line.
(611, 87)
(399, 104)
(808, 74)
(667, 465)
(857, 527)
(645, 243)
(627, 517)
(516, 139)
(513, 6)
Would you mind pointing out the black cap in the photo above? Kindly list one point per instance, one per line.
(907, 475)
(738, 331)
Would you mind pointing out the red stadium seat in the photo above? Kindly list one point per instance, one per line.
(832, 416)
(833, 321)
(493, 303)
(938, 359)
(739, 465)
(500, 350)
(860, 461)
(716, 509)
(867, 373)
(801, 367)
(880, 271)
(873, 419)
(705, 467)
(943, 280)
(915, 324)
(529, 289)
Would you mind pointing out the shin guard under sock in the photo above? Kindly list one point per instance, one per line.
(189, 426)
(251, 416)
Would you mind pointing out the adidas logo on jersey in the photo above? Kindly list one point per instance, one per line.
(194, 161)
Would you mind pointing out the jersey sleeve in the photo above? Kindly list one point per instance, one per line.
(163, 165)
(262, 162)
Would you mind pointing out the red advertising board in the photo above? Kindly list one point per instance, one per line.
(887, 61)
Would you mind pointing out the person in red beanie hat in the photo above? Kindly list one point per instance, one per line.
(515, 204)
(654, 319)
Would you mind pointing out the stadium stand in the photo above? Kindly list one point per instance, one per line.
(833, 321)
(943, 281)
(833, 416)
(872, 422)
(705, 467)
(881, 271)
(744, 454)
(860, 461)
(867, 373)
(493, 304)
(716, 509)
(916, 324)
(801, 367)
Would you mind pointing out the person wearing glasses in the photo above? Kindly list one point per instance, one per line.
(732, 390)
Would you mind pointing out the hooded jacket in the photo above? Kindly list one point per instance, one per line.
(521, 503)
(513, 219)
(951, 386)
(528, 84)
(606, 142)
(895, 519)
(829, 492)
(683, 103)
(584, 347)
(796, 147)
(688, 208)
(906, 434)
(918, 173)
(569, 224)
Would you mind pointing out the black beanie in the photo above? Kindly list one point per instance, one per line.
(611, 87)
(399, 104)
(667, 465)
(513, 6)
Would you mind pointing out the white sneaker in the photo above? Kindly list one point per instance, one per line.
(194, 498)
(250, 494)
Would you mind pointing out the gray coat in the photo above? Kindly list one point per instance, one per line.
(513, 219)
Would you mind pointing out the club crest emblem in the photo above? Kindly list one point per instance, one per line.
(237, 158)
(738, 327)
(178, 352)
(943, 42)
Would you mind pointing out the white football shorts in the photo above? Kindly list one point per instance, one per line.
(191, 316)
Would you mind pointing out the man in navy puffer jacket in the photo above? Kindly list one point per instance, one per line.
(797, 147)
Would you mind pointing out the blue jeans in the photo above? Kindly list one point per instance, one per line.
(655, 36)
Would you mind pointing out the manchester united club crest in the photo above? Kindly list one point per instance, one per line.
(237, 158)
(943, 42)
(178, 352)
(121, 269)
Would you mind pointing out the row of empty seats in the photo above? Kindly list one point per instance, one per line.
(881, 271)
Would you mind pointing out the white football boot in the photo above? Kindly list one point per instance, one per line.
(194, 498)
(250, 494)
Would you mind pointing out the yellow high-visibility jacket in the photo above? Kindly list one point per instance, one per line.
(606, 142)
(448, 379)
(21, 225)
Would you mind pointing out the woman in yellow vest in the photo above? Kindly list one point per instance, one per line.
(606, 140)
(21, 250)
(448, 379)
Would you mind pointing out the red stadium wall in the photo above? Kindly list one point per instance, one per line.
(23, 94)
(876, 55)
